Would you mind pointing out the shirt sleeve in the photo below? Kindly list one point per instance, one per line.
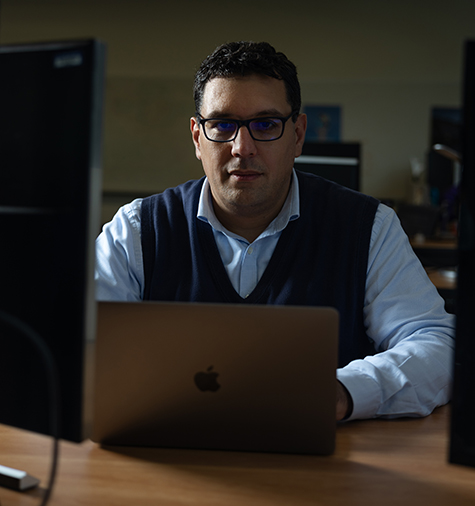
(119, 271)
(411, 373)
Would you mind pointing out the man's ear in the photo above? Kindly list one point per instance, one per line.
(195, 135)
(300, 127)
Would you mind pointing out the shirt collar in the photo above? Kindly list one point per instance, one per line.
(290, 210)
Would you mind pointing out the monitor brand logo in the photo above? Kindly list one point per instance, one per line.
(207, 381)
(65, 60)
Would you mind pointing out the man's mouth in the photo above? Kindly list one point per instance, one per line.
(244, 175)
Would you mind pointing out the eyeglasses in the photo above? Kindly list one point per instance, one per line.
(263, 129)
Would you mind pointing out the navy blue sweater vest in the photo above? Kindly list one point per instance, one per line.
(320, 259)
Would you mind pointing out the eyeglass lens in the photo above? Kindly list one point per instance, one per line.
(262, 129)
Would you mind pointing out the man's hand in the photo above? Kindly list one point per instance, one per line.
(344, 403)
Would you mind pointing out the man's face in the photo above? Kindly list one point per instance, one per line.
(248, 177)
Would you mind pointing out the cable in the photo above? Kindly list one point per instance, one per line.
(53, 387)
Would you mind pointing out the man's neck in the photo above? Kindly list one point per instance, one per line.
(249, 227)
(247, 221)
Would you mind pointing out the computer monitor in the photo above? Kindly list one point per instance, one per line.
(51, 97)
(462, 437)
(338, 162)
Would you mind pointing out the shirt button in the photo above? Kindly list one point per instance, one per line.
(250, 250)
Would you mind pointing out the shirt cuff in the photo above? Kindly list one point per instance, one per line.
(364, 391)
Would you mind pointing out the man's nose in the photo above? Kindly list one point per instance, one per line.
(243, 146)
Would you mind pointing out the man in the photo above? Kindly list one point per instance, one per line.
(256, 231)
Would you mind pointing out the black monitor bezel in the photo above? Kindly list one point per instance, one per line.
(81, 213)
(462, 430)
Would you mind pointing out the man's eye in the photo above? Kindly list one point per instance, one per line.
(265, 125)
(222, 126)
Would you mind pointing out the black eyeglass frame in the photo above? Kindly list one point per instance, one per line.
(246, 123)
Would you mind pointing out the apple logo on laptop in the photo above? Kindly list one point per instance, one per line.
(206, 381)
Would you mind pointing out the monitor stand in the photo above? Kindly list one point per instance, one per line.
(15, 478)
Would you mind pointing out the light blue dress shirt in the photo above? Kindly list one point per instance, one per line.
(411, 372)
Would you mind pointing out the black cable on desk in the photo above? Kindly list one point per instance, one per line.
(53, 390)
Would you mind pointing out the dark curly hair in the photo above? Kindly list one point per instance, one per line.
(244, 59)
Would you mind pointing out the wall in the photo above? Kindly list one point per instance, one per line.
(385, 63)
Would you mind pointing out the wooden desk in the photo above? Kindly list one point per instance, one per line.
(438, 257)
(431, 253)
(441, 280)
(377, 462)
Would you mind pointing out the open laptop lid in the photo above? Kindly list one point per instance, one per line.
(216, 376)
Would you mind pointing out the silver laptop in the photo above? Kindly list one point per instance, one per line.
(216, 376)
